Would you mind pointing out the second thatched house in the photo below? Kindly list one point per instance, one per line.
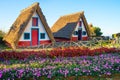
(29, 29)
(72, 27)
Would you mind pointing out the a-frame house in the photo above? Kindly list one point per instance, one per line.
(29, 29)
(72, 27)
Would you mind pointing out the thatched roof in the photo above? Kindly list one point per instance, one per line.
(66, 32)
(71, 18)
(21, 22)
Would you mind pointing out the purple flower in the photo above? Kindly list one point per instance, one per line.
(60, 71)
(0, 75)
(37, 73)
(76, 69)
(83, 70)
(66, 72)
(108, 73)
(8, 79)
(49, 76)
(96, 69)
(21, 71)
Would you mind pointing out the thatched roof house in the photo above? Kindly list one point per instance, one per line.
(72, 27)
(23, 21)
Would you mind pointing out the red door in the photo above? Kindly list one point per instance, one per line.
(34, 37)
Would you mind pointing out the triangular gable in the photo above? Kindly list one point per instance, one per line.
(82, 27)
(21, 23)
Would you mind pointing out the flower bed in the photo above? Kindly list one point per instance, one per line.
(57, 52)
(103, 65)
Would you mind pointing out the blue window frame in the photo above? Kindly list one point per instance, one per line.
(42, 35)
(75, 32)
(84, 33)
(26, 36)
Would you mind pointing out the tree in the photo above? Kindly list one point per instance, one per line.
(97, 31)
(2, 33)
(116, 35)
(94, 31)
(91, 29)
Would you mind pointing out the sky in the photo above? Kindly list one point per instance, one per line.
(101, 13)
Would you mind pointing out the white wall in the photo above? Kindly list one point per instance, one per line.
(83, 29)
(29, 28)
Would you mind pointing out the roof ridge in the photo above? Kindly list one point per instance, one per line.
(81, 12)
(34, 4)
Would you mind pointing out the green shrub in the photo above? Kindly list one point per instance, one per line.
(1, 41)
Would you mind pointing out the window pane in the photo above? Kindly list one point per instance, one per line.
(84, 32)
(34, 21)
(26, 35)
(75, 32)
(42, 35)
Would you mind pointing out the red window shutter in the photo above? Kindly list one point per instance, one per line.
(35, 21)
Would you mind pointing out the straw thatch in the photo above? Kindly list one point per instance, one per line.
(66, 32)
(21, 22)
(71, 18)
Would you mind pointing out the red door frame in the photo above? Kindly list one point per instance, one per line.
(34, 37)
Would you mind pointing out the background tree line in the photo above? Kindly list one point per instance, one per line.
(95, 31)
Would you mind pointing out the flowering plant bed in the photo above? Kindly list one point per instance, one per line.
(57, 68)
(57, 52)
(114, 77)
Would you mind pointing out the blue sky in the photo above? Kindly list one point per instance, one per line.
(102, 13)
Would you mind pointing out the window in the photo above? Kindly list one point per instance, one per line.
(42, 35)
(80, 23)
(34, 21)
(84, 33)
(26, 35)
(75, 32)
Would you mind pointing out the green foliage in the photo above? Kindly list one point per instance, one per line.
(1, 36)
(2, 43)
(116, 35)
(97, 31)
(2, 33)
